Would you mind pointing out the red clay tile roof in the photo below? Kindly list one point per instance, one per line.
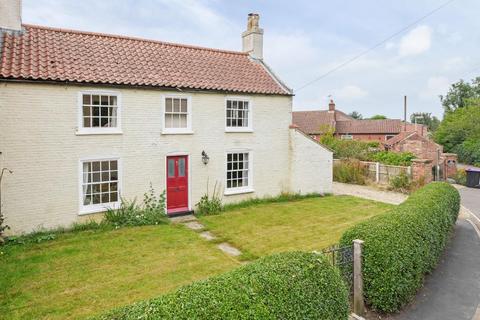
(400, 137)
(369, 126)
(312, 122)
(50, 54)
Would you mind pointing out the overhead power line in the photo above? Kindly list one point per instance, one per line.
(361, 54)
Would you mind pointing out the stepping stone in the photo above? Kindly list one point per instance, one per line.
(183, 219)
(228, 249)
(207, 236)
(195, 225)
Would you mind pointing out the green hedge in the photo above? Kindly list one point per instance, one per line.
(283, 286)
(402, 245)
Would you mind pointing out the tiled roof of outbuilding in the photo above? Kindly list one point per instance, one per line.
(50, 54)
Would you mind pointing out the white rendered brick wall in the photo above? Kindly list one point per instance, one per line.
(311, 165)
(38, 142)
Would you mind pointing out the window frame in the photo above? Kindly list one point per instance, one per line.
(244, 189)
(346, 137)
(101, 207)
(188, 129)
(389, 136)
(249, 128)
(81, 130)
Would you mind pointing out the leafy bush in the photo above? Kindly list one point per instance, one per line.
(348, 149)
(402, 245)
(350, 171)
(460, 177)
(210, 205)
(283, 286)
(400, 183)
(393, 158)
(150, 212)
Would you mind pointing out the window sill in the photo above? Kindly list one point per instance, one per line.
(98, 208)
(238, 130)
(83, 132)
(232, 192)
(168, 132)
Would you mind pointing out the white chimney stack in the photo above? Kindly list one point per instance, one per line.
(11, 15)
(253, 37)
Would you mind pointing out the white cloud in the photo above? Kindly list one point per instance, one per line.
(350, 92)
(417, 41)
(435, 86)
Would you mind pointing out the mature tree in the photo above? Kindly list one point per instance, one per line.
(378, 117)
(356, 115)
(427, 119)
(459, 132)
(459, 93)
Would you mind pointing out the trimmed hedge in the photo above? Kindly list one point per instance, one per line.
(283, 286)
(402, 245)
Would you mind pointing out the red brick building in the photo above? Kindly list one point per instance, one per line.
(316, 122)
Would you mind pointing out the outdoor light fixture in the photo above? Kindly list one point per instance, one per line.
(205, 158)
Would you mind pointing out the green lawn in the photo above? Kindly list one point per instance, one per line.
(89, 272)
(86, 273)
(310, 224)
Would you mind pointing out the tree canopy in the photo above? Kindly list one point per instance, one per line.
(378, 117)
(356, 115)
(427, 119)
(459, 132)
(460, 93)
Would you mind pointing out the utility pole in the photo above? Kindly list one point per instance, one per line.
(405, 113)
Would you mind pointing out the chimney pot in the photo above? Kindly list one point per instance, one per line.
(252, 39)
(11, 15)
(331, 105)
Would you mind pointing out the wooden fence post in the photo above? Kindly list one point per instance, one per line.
(377, 171)
(358, 302)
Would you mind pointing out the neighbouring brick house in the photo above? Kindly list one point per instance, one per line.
(86, 118)
(426, 149)
(314, 123)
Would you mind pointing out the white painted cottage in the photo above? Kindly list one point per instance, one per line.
(87, 117)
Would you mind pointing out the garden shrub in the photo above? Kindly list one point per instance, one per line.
(402, 245)
(460, 177)
(291, 285)
(401, 183)
(350, 171)
(393, 158)
(210, 204)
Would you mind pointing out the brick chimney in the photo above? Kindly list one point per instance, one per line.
(11, 15)
(252, 39)
(331, 106)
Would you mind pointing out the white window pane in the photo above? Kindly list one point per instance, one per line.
(183, 121)
(168, 105)
(176, 105)
(176, 121)
(87, 99)
(168, 121)
(96, 99)
(184, 106)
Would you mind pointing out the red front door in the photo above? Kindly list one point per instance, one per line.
(177, 184)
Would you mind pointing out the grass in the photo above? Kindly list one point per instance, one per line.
(85, 273)
(310, 224)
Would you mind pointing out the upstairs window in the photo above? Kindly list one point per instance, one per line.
(238, 115)
(177, 115)
(100, 113)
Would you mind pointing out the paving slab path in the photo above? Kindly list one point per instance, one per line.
(368, 193)
(192, 223)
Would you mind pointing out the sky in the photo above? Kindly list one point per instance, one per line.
(304, 39)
